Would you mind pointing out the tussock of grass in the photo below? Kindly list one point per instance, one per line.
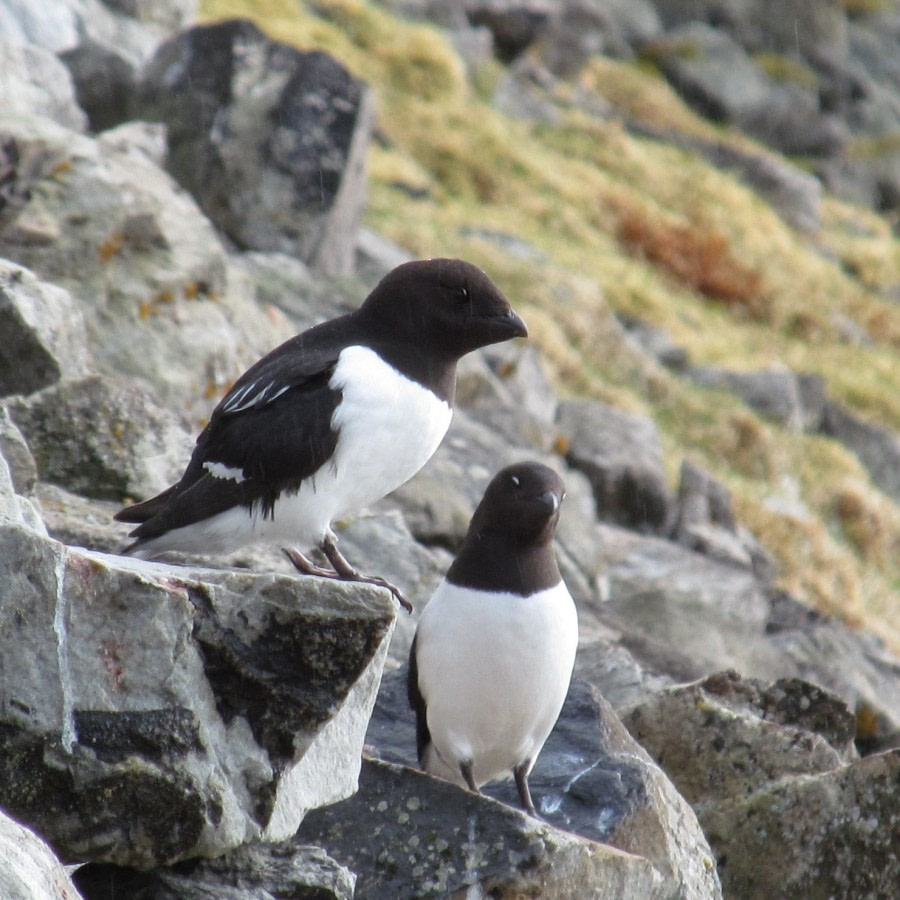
(640, 227)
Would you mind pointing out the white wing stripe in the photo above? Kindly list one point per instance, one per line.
(220, 470)
(244, 399)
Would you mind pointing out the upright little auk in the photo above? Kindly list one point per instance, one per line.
(331, 421)
(493, 653)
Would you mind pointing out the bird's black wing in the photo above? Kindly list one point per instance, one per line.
(417, 702)
(271, 431)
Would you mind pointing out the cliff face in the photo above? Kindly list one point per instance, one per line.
(713, 369)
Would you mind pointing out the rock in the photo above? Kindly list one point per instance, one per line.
(796, 400)
(261, 872)
(704, 521)
(102, 438)
(514, 24)
(621, 455)
(726, 737)
(715, 74)
(44, 333)
(376, 256)
(283, 282)
(28, 868)
(14, 449)
(877, 447)
(81, 522)
(152, 714)
(773, 775)
(104, 83)
(391, 835)
(582, 28)
(827, 835)
(658, 594)
(132, 27)
(591, 780)
(657, 342)
(655, 595)
(16, 509)
(270, 140)
(794, 194)
(44, 23)
(34, 82)
(141, 261)
(509, 391)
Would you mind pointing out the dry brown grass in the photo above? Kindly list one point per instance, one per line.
(695, 255)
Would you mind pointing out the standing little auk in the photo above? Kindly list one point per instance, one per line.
(493, 653)
(329, 422)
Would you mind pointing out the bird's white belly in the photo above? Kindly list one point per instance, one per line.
(494, 670)
(388, 428)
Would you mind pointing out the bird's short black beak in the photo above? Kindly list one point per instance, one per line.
(516, 324)
(550, 500)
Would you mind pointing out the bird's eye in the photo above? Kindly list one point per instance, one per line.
(515, 480)
(463, 292)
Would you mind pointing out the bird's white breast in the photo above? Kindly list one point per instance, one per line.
(388, 427)
(494, 670)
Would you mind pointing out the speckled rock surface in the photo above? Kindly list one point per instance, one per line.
(28, 868)
(151, 713)
(407, 835)
(827, 835)
(259, 872)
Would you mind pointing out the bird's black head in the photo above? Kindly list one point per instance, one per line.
(446, 306)
(509, 544)
(522, 501)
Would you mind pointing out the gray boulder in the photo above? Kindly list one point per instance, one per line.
(704, 521)
(102, 438)
(877, 447)
(621, 455)
(34, 82)
(407, 835)
(251, 872)
(514, 24)
(773, 775)
(43, 330)
(828, 835)
(14, 449)
(726, 736)
(146, 268)
(715, 74)
(133, 27)
(152, 714)
(270, 140)
(796, 400)
(28, 868)
(104, 82)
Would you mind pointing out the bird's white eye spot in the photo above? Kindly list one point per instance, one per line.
(515, 480)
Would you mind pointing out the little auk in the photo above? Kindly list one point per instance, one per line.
(494, 649)
(329, 422)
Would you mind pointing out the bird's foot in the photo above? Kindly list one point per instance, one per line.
(342, 571)
(306, 566)
(521, 775)
(345, 572)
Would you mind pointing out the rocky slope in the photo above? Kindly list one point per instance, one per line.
(176, 200)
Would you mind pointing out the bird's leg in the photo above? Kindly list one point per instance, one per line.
(466, 769)
(521, 775)
(306, 566)
(346, 572)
